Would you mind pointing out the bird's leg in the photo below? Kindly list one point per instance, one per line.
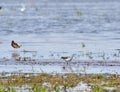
(67, 62)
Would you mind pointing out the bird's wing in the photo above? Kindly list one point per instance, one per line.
(16, 44)
(64, 57)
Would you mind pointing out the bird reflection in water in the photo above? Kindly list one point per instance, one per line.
(67, 68)
(15, 56)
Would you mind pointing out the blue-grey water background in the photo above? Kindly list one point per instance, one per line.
(55, 28)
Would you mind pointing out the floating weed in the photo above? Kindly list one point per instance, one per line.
(10, 23)
(41, 70)
(77, 12)
(83, 45)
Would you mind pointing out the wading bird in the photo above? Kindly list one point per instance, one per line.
(68, 58)
(15, 45)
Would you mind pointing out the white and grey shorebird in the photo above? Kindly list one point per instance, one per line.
(68, 58)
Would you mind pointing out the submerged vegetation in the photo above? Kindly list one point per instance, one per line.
(60, 83)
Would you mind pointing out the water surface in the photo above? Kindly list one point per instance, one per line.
(56, 28)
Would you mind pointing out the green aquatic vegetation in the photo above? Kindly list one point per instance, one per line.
(89, 55)
(83, 45)
(41, 70)
(97, 88)
(40, 88)
(56, 88)
(72, 80)
(118, 90)
(97, 76)
(11, 89)
(1, 89)
(3, 73)
(93, 78)
(10, 23)
(101, 88)
(7, 89)
(112, 84)
(78, 12)
(49, 83)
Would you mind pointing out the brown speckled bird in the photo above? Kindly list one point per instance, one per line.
(15, 45)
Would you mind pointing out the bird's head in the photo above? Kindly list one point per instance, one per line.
(12, 41)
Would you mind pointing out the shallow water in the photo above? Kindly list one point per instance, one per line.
(55, 29)
(58, 67)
